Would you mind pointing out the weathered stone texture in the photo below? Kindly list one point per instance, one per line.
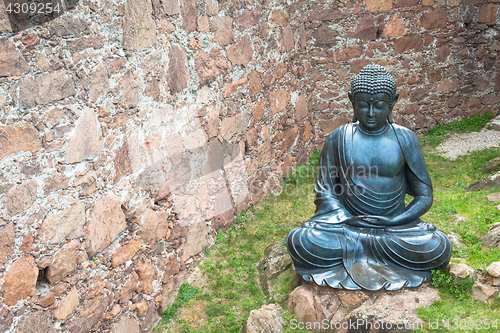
(242, 52)
(434, 19)
(6, 242)
(18, 137)
(106, 222)
(210, 65)
(125, 253)
(196, 240)
(11, 60)
(39, 320)
(223, 29)
(67, 305)
(85, 141)
(178, 72)
(153, 226)
(326, 14)
(64, 262)
(366, 29)
(139, 29)
(378, 5)
(44, 88)
(279, 100)
(279, 17)
(67, 224)
(395, 28)
(188, 11)
(247, 18)
(20, 280)
(408, 43)
(488, 14)
(20, 197)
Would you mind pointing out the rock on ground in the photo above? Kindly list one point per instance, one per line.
(492, 238)
(269, 319)
(316, 305)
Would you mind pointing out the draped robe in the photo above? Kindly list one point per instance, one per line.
(327, 251)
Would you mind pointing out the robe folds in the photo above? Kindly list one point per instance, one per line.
(327, 251)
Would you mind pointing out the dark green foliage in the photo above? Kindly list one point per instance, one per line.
(472, 124)
(306, 172)
(459, 289)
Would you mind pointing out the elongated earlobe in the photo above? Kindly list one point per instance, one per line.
(390, 119)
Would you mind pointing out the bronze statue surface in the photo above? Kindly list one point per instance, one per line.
(362, 236)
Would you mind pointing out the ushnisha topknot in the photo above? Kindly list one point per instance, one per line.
(374, 79)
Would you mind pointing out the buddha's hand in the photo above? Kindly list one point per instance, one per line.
(370, 221)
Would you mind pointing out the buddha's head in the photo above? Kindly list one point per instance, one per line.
(373, 96)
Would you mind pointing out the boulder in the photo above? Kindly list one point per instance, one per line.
(340, 309)
(461, 271)
(269, 319)
(493, 197)
(494, 123)
(492, 165)
(456, 240)
(486, 183)
(492, 237)
(493, 271)
(276, 261)
(482, 292)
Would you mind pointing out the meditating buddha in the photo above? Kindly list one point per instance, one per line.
(362, 236)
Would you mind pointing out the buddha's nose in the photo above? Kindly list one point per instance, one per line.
(371, 113)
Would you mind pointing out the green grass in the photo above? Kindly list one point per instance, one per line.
(230, 266)
(437, 134)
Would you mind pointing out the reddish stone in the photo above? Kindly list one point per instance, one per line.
(366, 29)
(490, 99)
(326, 14)
(358, 65)
(325, 36)
(82, 43)
(44, 88)
(171, 268)
(453, 101)
(434, 75)
(258, 111)
(448, 85)
(20, 197)
(89, 317)
(139, 29)
(497, 82)
(405, 3)
(7, 244)
(122, 162)
(348, 53)
(223, 29)
(395, 27)
(279, 17)
(434, 19)
(242, 52)
(255, 86)
(224, 220)
(178, 72)
(410, 108)
(287, 39)
(442, 53)
(248, 18)
(300, 108)
(20, 280)
(188, 12)
(18, 137)
(290, 136)
(488, 14)
(408, 43)
(209, 66)
(12, 62)
(378, 5)
(279, 100)
(329, 125)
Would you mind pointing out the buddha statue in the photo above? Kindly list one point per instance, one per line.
(362, 236)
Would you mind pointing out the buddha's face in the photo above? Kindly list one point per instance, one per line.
(372, 110)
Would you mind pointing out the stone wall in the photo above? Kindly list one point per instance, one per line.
(132, 130)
